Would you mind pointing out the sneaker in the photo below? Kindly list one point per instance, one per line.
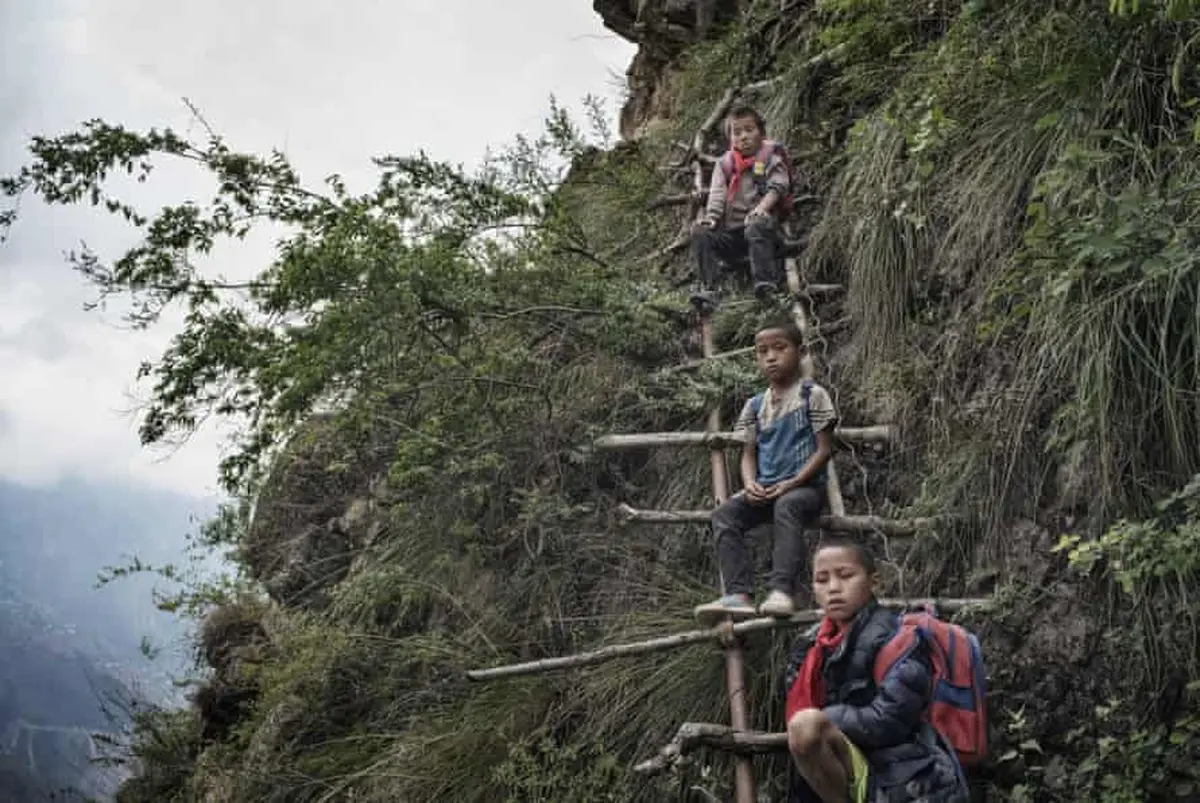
(764, 290)
(705, 300)
(737, 606)
(777, 604)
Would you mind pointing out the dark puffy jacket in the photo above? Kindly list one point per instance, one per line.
(909, 761)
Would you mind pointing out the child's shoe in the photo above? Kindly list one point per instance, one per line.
(778, 604)
(705, 301)
(737, 606)
(765, 290)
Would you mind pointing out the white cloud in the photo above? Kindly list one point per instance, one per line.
(331, 86)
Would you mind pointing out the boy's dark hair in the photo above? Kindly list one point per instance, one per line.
(855, 545)
(789, 328)
(746, 111)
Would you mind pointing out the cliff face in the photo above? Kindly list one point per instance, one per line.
(1019, 300)
(663, 30)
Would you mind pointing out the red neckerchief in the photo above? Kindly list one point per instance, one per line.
(740, 165)
(809, 689)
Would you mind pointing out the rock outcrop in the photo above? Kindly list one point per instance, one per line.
(662, 30)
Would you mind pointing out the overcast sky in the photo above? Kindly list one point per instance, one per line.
(330, 84)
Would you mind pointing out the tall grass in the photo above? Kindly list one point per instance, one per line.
(957, 192)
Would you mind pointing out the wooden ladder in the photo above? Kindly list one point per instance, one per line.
(737, 737)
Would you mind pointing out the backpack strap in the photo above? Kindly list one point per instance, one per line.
(756, 407)
(756, 401)
(906, 638)
(761, 161)
(727, 167)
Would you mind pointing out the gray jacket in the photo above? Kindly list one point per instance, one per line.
(731, 212)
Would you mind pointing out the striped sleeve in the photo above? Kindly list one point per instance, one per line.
(820, 409)
(745, 421)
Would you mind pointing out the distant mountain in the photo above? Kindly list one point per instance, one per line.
(71, 659)
(57, 710)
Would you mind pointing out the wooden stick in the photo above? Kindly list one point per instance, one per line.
(690, 365)
(694, 735)
(690, 637)
(724, 355)
(674, 200)
(899, 528)
(833, 487)
(713, 120)
(814, 290)
(721, 440)
(735, 665)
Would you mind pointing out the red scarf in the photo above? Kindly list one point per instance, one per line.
(740, 165)
(808, 691)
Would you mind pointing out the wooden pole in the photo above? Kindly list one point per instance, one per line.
(694, 735)
(735, 666)
(862, 525)
(833, 488)
(877, 433)
(689, 637)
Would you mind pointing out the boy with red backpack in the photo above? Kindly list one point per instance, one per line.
(750, 195)
(881, 708)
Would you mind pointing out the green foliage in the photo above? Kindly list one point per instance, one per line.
(422, 366)
(165, 747)
(200, 583)
(1156, 564)
(470, 334)
(1143, 763)
(1156, 556)
(1175, 10)
(1020, 182)
(874, 39)
(1108, 300)
(540, 771)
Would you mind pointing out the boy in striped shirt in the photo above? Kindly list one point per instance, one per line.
(788, 431)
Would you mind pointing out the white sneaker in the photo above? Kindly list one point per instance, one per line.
(734, 606)
(777, 604)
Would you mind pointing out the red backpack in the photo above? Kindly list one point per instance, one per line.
(783, 209)
(957, 709)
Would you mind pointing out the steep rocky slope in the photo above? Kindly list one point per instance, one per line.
(1004, 190)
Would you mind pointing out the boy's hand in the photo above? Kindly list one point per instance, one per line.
(778, 489)
(756, 494)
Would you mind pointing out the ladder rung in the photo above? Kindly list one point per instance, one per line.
(690, 637)
(878, 433)
(823, 330)
(821, 289)
(841, 524)
(691, 365)
(693, 735)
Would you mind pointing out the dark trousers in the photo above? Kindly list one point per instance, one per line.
(759, 239)
(791, 513)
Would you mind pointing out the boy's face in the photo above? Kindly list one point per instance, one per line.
(841, 583)
(777, 356)
(745, 136)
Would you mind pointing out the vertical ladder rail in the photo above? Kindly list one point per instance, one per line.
(833, 488)
(735, 666)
